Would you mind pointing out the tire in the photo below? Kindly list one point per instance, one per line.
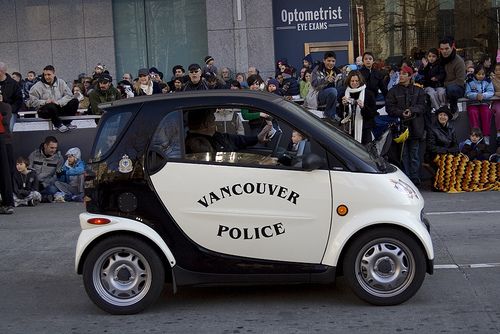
(123, 275)
(385, 266)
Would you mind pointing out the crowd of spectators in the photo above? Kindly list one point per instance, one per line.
(419, 96)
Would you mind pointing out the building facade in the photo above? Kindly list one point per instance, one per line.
(125, 35)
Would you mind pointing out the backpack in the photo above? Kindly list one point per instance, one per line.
(311, 99)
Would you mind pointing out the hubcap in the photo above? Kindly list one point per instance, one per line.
(385, 267)
(122, 276)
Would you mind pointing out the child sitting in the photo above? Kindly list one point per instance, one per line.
(273, 86)
(25, 184)
(297, 137)
(475, 147)
(70, 184)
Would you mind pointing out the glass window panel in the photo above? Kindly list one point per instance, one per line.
(159, 33)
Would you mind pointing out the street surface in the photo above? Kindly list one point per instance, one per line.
(40, 292)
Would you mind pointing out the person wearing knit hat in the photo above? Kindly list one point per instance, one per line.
(273, 86)
(209, 65)
(407, 102)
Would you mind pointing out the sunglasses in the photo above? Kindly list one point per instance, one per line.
(194, 71)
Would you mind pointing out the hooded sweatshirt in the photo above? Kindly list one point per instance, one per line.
(46, 167)
(70, 174)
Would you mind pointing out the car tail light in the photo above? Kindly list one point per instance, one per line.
(98, 221)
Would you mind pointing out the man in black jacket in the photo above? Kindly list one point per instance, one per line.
(10, 92)
(407, 102)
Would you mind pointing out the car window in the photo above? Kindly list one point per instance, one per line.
(231, 136)
(109, 131)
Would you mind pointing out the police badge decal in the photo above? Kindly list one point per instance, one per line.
(125, 164)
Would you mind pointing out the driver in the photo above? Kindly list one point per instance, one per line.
(202, 130)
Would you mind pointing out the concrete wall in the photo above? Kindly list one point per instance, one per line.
(71, 35)
(241, 36)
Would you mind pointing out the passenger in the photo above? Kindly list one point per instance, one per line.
(202, 125)
(70, 184)
(475, 147)
(297, 137)
(25, 184)
(47, 161)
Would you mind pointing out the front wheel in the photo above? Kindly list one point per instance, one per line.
(123, 275)
(385, 266)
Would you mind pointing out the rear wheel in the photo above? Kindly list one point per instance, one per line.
(385, 266)
(123, 275)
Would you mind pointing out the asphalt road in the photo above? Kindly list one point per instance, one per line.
(40, 293)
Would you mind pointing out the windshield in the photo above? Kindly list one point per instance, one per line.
(370, 157)
(109, 130)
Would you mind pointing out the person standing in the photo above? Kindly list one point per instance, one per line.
(454, 66)
(6, 163)
(407, 101)
(52, 98)
(374, 78)
(10, 93)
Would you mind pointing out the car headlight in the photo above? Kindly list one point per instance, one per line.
(404, 188)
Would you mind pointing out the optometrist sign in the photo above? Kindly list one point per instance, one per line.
(297, 22)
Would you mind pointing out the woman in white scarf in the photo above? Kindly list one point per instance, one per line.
(359, 107)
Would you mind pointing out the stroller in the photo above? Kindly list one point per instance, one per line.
(388, 129)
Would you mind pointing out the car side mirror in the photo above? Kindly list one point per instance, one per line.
(312, 161)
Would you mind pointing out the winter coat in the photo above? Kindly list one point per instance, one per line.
(410, 97)
(477, 151)
(156, 90)
(24, 184)
(441, 139)
(454, 67)
(46, 167)
(12, 93)
(369, 110)
(98, 96)
(201, 85)
(435, 70)
(374, 80)
(71, 174)
(42, 91)
(290, 86)
(479, 87)
(319, 75)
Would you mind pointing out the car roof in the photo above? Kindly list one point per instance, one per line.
(213, 93)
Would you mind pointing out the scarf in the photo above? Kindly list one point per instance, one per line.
(445, 61)
(148, 88)
(358, 119)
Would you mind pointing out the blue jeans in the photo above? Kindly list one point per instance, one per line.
(453, 93)
(51, 189)
(411, 159)
(328, 96)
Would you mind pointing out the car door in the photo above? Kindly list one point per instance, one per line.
(242, 204)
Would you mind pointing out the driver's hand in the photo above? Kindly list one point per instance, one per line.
(263, 134)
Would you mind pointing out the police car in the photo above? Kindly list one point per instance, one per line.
(164, 207)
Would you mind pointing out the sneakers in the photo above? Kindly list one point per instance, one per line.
(62, 129)
(59, 199)
(6, 210)
(47, 198)
(71, 126)
(455, 115)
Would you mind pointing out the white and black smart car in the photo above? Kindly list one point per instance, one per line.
(167, 202)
